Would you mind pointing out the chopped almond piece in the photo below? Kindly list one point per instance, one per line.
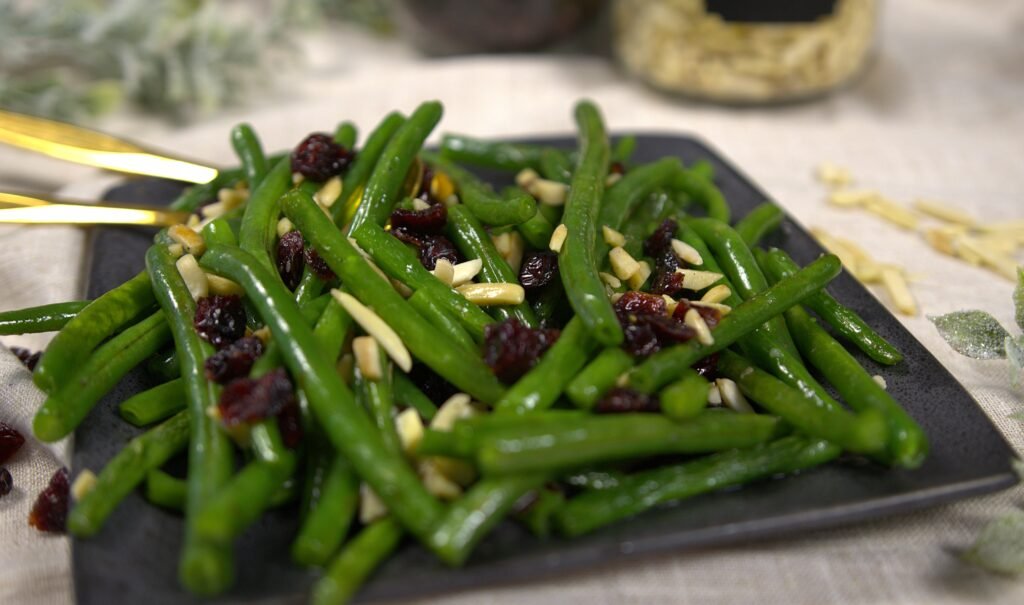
(686, 252)
(367, 354)
(896, 285)
(637, 280)
(558, 237)
(493, 294)
(444, 271)
(694, 279)
(624, 265)
(377, 328)
(716, 294)
(612, 237)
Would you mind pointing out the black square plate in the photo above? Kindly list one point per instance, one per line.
(134, 559)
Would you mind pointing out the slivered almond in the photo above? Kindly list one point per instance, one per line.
(194, 276)
(223, 286)
(722, 309)
(892, 212)
(549, 193)
(834, 176)
(444, 271)
(84, 483)
(896, 285)
(176, 250)
(516, 249)
(944, 212)
(686, 252)
(189, 239)
(558, 237)
(409, 427)
(436, 482)
(526, 177)
(376, 327)
(624, 265)
(716, 294)
(263, 334)
(697, 323)
(193, 221)
(464, 272)
(297, 178)
(732, 397)
(371, 507)
(486, 295)
(610, 280)
(850, 197)
(284, 226)
(329, 193)
(637, 280)
(455, 407)
(367, 355)
(714, 395)
(419, 205)
(695, 279)
(880, 381)
(670, 304)
(612, 237)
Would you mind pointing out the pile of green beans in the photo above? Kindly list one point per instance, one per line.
(375, 435)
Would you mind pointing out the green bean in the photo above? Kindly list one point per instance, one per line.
(378, 398)
(704, 169)
(555, 165)
(219, 231)
(908, 444)
(250, 153)
(424, 341)
(408, 394)
(359, 172)
(126, 470)
(644, 490)
(538, 229)
(331, 329)
(863, 433)
(463, 440)
(324, 528)
(587, 388)
(206, 568)
(356, 562)
(66, 407)
(622, 151)
(595, 479)
(686, 397)
(164, 365)
(166, 491)
(740, 266)
(843, 320)
(487, 206)
(490, 154)
(384, 187)
(310, 286)
(473, 241)
(621, 199)
(346, 134)
(192, 197)
(703, 191)
(549, 305)
(541, 386)
(475, 514)
(259, 223)
(759, 222)
(576, 259)
(662, 367)
(44, 318)
(539, 516)
(401, 263)
(595, 439)
(442, 319)
(91, 326)
(348, 427)
(645, 219)
(155, 404)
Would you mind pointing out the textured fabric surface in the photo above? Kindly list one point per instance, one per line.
(939, 115)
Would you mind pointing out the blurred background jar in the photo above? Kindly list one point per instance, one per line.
(745, 51)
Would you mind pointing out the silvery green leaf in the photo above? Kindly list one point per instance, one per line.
(1015, 358)
(1000, 546)
(1018, 298)
(972, 333)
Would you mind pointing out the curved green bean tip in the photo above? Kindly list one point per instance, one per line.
(48, 427)
(205, 573)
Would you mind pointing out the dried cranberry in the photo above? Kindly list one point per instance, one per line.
(617, 168)
(291, 258)
(290, 424)
(50, 511)
(436, 247)
(10, 441)
(318, 265)
(707, 367)
(639, 339)
(220, 319)
(538, 270)
(661, 239)
(667, 280)
(318, 157)
(645, 325)
(511, 348)
(640, 303)
(428, 220)
(619, 401)
(710, 315)
(6, 482)
(249, 400)
(408, 236)
(27, 357)
(234, 360)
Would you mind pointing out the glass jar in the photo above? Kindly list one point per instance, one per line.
(745, 51)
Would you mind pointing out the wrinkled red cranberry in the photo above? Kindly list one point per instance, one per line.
(617, 168)
(50, 511)
(661, 239)
(10, 441)
(233, 361)
(711, 316)
(620, 401)
(645, 325)
(436, 247)
(318, 157)
(6, 482)
(247, 400)
(318, 265)
(27, 357)
(640, 303)
(667, 280)
(707, 367)
(291, 258)
(428, 220)
(289, 422)
(220, 319)
(538, 270)
(511, 348)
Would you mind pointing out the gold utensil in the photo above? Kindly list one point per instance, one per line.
(92, 148)
(31, 210)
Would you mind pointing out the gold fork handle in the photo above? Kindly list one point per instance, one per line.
(30, 210)
(91, 148)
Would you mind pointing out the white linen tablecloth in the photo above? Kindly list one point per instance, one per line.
(940, 115)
